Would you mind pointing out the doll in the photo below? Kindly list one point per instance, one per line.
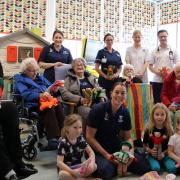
(157, 140)
(124, 154)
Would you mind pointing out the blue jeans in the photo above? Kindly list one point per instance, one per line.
(166, 161)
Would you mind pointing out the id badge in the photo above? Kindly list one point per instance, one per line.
(104, 60)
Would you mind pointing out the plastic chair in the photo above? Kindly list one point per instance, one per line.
(62, 71)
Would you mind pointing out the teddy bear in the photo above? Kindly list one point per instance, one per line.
(124, 154)
(93, 95)
(110, 70)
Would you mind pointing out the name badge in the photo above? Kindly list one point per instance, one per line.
(65, 52)
(104, 60)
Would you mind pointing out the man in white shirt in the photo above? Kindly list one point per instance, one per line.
(161, 62)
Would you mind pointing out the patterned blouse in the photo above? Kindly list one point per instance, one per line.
(72, 153)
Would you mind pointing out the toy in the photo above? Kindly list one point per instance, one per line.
(88, 94)
(93, 95)
(152, 175)
(157, 140)
(124, 154)
(178, 165)
(110, 70)
(164, 72)
(83, 168)
(47, 103)
(55, 86)
(1, 86)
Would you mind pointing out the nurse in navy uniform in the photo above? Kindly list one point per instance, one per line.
(108, 64)
(54, 55)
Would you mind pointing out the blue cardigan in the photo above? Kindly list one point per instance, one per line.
(30, 89)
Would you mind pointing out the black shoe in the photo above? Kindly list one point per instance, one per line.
(25, 171)
(31, 166)
(13, 177)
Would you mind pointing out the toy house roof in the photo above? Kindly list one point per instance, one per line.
(19, 33)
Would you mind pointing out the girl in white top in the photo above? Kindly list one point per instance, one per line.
(136, 55)
(174, 145)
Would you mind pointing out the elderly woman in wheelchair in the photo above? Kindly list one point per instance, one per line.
(81, 88)
(32, 87)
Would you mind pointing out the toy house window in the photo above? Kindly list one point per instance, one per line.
(24, 52)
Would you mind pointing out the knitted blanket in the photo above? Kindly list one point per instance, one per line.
(140, 102)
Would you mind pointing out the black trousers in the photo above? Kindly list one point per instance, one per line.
(156, 87)
(10, 144)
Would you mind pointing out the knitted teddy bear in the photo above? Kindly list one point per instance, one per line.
(157, 140)
(124, 154)
(110, 70)
(93, 95)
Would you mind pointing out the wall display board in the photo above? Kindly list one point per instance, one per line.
(18, 14)
(90, 18)
(170, 12)
(112, 18)
(137, 15)
(78, 18)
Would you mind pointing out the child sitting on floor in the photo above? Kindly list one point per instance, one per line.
(71, 149)
(174, 146)
(159, 122)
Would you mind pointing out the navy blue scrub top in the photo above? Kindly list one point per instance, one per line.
(109, 125)
(114, 59)
(50, 55)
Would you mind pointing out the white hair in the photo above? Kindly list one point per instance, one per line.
(126, 66)
(28, 62)
(77, 60)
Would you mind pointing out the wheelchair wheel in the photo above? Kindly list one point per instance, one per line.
(29, 152)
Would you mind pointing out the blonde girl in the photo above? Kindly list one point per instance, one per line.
(174, 146)
(71, 150)
(159, 126)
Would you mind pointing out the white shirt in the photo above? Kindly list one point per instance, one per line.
(160, 58)
(175, 142)
(137, 57)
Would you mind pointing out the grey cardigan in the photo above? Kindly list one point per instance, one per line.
(71, 90)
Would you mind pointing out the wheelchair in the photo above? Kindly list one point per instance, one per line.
(34, 122)
(32, 119)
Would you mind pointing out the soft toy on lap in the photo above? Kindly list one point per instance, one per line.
(124, 154)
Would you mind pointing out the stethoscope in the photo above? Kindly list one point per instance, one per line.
(171, 56)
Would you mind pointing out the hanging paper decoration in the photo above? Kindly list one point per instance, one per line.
(18, 14)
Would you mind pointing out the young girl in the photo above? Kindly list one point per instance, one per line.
(174, 146)
(71, 149)
(156, 138)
